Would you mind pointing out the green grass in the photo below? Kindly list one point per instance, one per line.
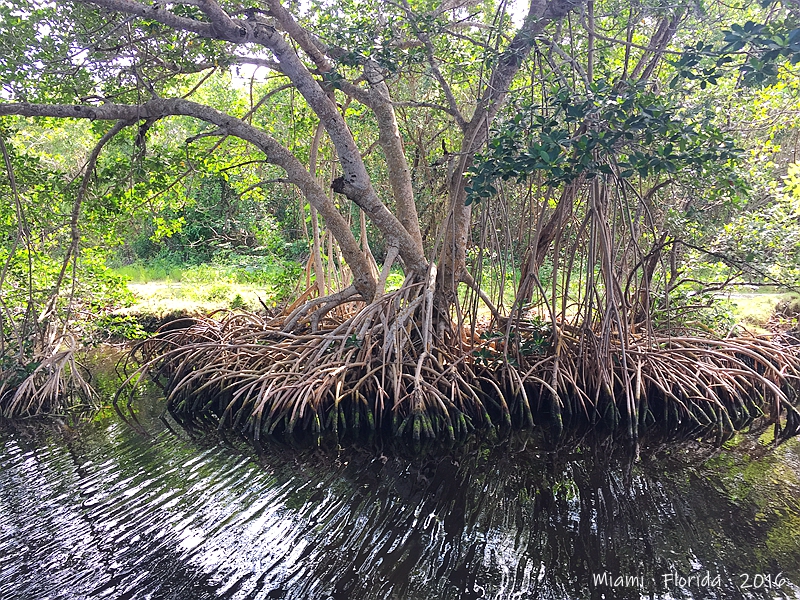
(162, 297)
(755, 309)
(162, 287)
(141, 273)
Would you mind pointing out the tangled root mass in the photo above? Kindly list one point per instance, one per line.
(383, 368)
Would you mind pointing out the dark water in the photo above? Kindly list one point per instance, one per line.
(103, 512)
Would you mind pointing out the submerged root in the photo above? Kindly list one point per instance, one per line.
(383, 368)
(696, 386)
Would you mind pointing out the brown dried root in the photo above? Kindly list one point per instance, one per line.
(49, 388)
(379, 368)
(382, 367)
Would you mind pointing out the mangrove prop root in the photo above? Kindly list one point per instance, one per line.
(383, 368)
(52, 386)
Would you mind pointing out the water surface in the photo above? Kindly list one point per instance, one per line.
(100, 511)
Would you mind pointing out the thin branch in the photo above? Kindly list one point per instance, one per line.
(467, 278)
(242, 164)
(624, 43)
(743, 265)
(75, 235)
(433, 105)
(257, 61)
(200, 83)
(205, 134)
(263, 183)
(430, 51)
(569, 59)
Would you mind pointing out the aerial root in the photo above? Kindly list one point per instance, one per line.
(384, 369)
(368, 371)
(56, 378)
(322, 305)
(693, 385)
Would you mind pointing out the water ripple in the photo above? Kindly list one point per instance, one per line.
(106, 513)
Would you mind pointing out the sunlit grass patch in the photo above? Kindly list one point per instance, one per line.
(755, 309)
(237, 282)
(160, 297)
(141, 273)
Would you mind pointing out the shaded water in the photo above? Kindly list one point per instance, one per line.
(103, 512)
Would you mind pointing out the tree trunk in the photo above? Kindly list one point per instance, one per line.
(476, 133)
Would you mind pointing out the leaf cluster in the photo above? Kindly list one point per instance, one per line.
(754, 50)
(610, 132)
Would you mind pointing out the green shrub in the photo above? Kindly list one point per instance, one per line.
(121, 326)
(238, 302)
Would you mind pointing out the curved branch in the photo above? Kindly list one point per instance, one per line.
(328, 303)
(405, 229)
(274, 152)
(225, 28)
(154, 12)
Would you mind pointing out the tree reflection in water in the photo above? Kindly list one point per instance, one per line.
(105, 512)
